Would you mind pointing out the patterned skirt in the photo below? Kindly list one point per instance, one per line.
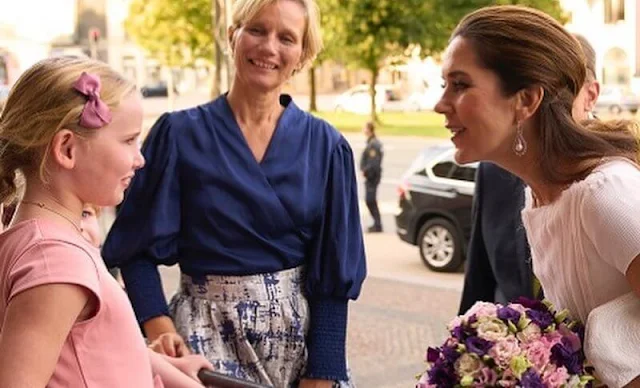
(250, 327)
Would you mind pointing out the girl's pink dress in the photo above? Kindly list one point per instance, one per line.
(107, 350)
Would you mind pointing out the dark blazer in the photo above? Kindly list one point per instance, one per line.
(498, 265)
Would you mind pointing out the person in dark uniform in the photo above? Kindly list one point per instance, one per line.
(498, 259)
(371, 167)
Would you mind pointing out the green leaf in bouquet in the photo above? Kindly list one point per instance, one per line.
(466, 381)
(519, 365)
(562, 316)
(586, 379)
(550, 328)
(523, 322)
(512, 327)
(549, 305)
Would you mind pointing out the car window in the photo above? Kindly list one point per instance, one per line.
(444, 169)
(464, 173)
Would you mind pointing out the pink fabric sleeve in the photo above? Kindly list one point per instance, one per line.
(54, 262)
(610, 213)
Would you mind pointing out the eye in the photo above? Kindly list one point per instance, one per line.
(132, 140)
(86, 214)
(287, 39)
(459, 86)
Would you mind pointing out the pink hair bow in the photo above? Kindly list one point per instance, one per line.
(96, 113)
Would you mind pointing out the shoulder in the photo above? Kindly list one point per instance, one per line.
(41, 252)
(610, 189)
(320, 132)
(616, 176)
(181, 122)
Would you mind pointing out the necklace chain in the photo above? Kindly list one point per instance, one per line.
(41, 205)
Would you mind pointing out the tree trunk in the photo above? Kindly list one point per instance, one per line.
(171, 95)
(313, 107)
(372, 91)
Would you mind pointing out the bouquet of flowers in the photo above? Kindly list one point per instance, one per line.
(523, 344)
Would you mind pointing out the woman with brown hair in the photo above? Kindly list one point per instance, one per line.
(511, 77)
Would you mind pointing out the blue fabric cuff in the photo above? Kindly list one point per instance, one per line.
(327, 339)
(144, 287)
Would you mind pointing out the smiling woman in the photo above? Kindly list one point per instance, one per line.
(257, 201)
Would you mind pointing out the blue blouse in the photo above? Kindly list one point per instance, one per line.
(204, 202)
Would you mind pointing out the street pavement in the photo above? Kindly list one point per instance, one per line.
(404, 307)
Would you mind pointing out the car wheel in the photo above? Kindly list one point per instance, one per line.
(615, 109)
(440, 245)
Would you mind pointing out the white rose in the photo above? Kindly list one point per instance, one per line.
(468, 364)
(492, 329)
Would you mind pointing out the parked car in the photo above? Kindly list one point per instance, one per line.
(434, 209)
(157, 89)
(617, 99)
(425, 99)
(358, 100)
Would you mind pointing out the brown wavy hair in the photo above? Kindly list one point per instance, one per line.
(526, 48)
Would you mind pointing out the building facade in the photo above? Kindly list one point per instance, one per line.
(613, 28)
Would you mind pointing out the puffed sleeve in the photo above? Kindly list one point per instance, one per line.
(336, 269)
(609, 214)
(145, 232)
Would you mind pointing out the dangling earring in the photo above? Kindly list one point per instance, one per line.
(519, 144)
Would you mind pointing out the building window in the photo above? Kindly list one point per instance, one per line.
(613, 11)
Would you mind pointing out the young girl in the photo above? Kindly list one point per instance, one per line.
(69, 129)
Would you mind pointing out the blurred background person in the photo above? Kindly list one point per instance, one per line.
(371, 168)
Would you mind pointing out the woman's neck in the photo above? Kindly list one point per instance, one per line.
(252, 107)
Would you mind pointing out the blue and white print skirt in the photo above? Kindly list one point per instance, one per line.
(250, 327)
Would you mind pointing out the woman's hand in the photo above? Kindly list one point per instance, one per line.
(170, 344)
(313, 383)
(190, 365)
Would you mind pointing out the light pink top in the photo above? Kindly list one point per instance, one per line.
(583, 243)
(108, 349)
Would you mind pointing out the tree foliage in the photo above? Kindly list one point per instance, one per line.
(176, 33)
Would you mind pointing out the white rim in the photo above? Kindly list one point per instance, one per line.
(438, 246)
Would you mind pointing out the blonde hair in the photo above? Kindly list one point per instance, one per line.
(246, 10)
(41, 103)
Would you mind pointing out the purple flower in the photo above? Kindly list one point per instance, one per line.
(562, 355)
(433, 354)
(531, 304)
(530, 379)
(507, 314)
(450, 354)
(458, 333)
(478, 346)
(442, 375)
(541, 318)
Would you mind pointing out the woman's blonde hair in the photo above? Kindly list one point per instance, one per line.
(246, 10)
(41, 103)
